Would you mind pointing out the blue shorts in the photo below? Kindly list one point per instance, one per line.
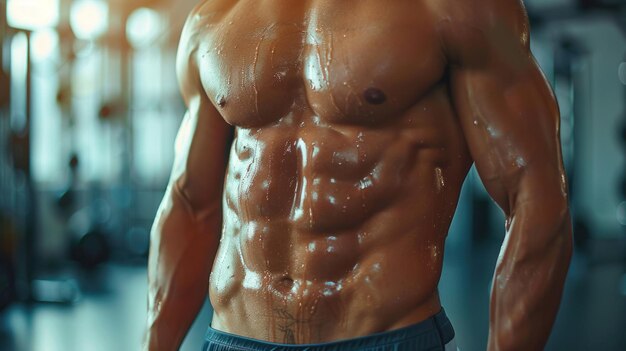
(435, 333)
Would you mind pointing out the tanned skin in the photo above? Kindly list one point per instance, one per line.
(355, 125)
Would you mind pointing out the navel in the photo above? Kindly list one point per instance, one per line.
(374, 96)
(284, 285)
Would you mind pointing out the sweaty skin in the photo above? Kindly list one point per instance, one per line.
(355, 125)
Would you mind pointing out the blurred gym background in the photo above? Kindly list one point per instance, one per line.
(89, 107)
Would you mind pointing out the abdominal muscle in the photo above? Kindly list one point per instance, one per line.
(332, 233)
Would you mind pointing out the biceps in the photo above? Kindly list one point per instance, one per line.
(511, 122)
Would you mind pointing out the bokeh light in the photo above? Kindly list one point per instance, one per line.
(89, 18)
(44, 42)
(143, 27)
(32, 14)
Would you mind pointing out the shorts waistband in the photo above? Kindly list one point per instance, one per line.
(432, 334)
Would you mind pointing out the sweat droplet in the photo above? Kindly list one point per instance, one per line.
(440, 181)
(221, 101)
(374, 96)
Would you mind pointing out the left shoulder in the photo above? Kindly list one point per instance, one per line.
(477, 26)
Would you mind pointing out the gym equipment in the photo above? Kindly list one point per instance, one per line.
(21, 282)
(89, 239)
(91, 248)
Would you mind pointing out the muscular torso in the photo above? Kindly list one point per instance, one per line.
(346, 167)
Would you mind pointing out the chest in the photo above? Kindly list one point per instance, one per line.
(352, 62)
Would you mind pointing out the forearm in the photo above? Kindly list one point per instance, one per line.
(529, 278)
(183, 247)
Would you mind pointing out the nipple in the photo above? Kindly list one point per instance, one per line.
(221, 101)
(374, 96)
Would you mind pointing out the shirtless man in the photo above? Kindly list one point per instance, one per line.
(355, 124)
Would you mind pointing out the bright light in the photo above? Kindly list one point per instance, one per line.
(89, 18)
(44, 42)
(32, 14)
(143, 27)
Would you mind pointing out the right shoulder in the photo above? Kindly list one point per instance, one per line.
(202, 15)
(186, 65)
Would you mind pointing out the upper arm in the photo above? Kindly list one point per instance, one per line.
(203, 138)
(506, 108)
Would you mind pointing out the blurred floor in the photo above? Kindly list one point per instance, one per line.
(111, 314)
